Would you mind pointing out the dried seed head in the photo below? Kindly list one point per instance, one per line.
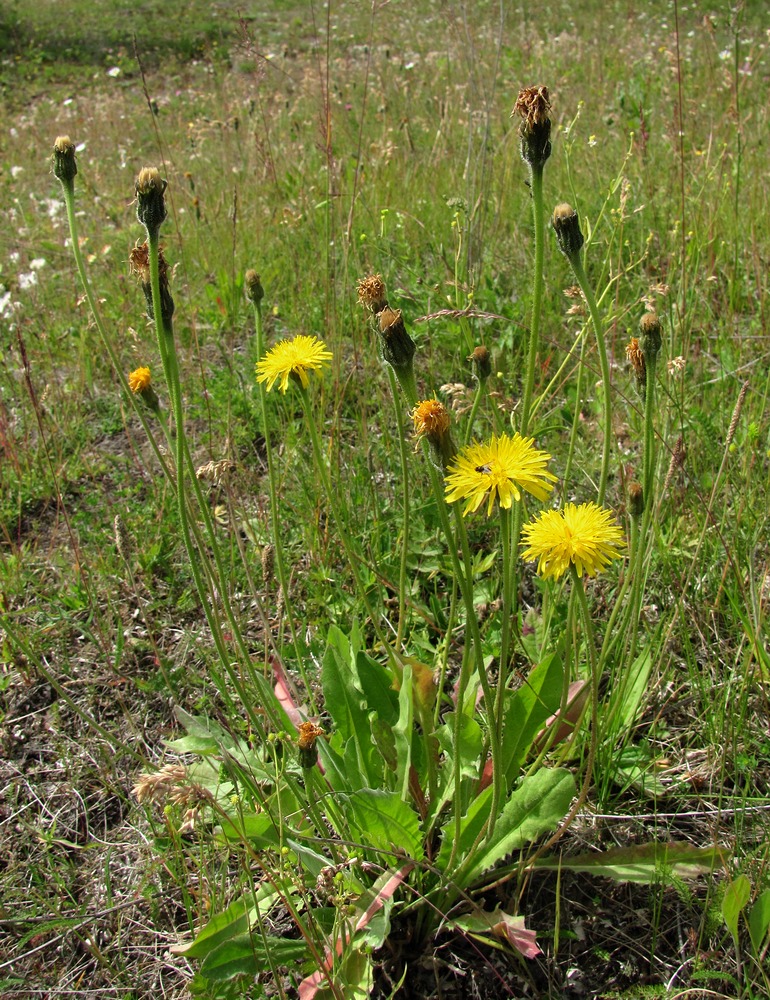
(64, 165)
(533, 105)
(650, 339)
(254, 290)
(371, 293)
(139, 264)
(566, 225)
(636, 357)
(307, 734)
(150, 201)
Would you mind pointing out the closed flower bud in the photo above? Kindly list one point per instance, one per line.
(150, 201)
(650, 331)
(64, 166)
(140, 383)
(254, 289)
(481, 363)
(635, 500)
(398, 348)
(567, 228)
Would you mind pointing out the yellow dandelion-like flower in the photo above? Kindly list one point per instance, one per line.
(431, 419)
(584, 535)
(139, 380)
(499, 469)
(292, 358)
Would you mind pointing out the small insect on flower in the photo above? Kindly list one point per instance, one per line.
(484, 468)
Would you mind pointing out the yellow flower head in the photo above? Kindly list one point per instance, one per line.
(292, 358)
(501, 469)
(431, 419)
(582, 534)
(139, 380)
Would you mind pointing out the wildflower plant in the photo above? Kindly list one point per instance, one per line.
(387, 776)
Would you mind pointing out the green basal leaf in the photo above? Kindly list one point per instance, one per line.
(536, 807)
(382, 820)
(759, 921)
(238, 918)
(737, 895)
(250, 953)
(403, 731)
(345, 703)
(641, 862)
(526, 710)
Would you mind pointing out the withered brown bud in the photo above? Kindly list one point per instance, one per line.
(398, 348)
(533, 105)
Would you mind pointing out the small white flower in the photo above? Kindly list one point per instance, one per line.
(27, 279)
(38, 263)
(113, 71)
(16, 171)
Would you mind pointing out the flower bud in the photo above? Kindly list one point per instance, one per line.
(64, 166)
(651, 340)
(150, 201)
(635, 500)
(567, 228)
(481, 363)
(254, 290)
(397, 346)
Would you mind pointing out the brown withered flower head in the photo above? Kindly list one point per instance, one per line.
(635, 356)
(481, 362)
(139, 264)
(371, 293)
(533, 105)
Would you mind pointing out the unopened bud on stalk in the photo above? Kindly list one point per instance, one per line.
(533, 105)
(481, 363)
(64, 166)
(567, 228)
(254, 290)
(150, 201)
(398, 349)
(651, 340)
(635, 500)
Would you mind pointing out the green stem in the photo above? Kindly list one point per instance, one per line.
(405, 517)
(507, 611)
(275, 523)
(590, 644)
(593, 309)
(538, 213)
